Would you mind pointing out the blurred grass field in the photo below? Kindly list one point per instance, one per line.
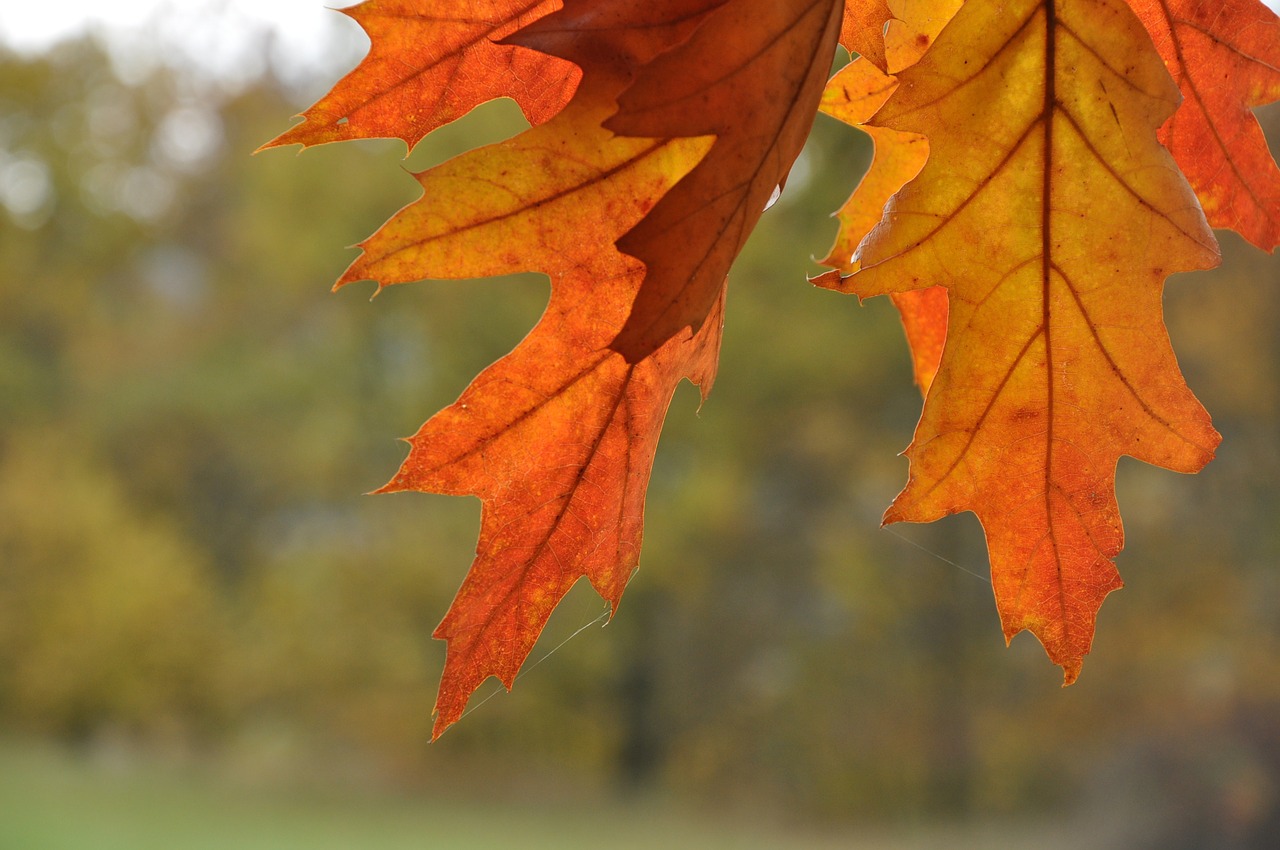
(55, 798)
(52, 798)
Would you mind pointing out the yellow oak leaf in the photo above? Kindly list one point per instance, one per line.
(1052, 216)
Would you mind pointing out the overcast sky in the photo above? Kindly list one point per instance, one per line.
(31, 24)
(232, 39)
(224, 36)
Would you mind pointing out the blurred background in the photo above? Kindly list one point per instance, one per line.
(209, 638)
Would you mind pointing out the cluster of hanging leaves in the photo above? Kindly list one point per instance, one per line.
(1035, 182)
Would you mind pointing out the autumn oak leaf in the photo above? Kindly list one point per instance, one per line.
(853, 96)
(558, 437)
(751, 75)
(1225, 56)
(1052, 216)
(615, 37)
(431, 63)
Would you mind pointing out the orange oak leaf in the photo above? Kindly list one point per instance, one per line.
(558, 437)
(908, 36)
(751, 75)
(853, 95)
(1052, 215)
(1225, 56)
(431, 63)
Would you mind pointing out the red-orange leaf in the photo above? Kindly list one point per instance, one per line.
(751, 75)
(430, 63)
(1225, 55)
(1052, 215)
(615, 36)
(557, 438)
